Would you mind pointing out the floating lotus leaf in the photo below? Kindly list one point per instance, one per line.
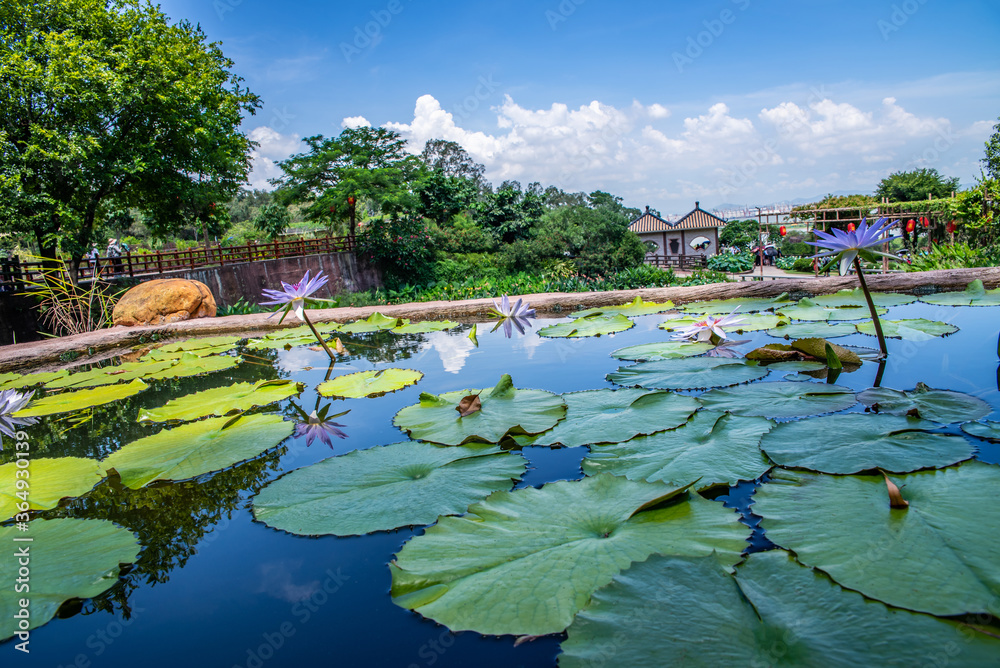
(751, 323)
(688, 374)
(780, 399)
(807, 310)
(862, 442)
(856, 297)
(303, 331)
(385, 488)
(16, 381)
(524, 562)
(376, 322)
(192, 365)
(196, 448)
(109, 375)
(802, 366)
(807, 330)
(713, 448)
(663, 350)
(634, 308)
(817, 348)
(49, 481)
(282, 344)
(591, 325)
(775, 612)
(774, 352)
(425, 327)
(720, 306)
(989, 430)
(935, 556)
(198, 346)
(975, 294)
(610, 416)
(505, 410)
(942, 406)
(70, 558)
(67, 402)
(220, 401)
(916, 329)
(369, 383)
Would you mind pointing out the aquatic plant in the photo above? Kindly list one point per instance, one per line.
(296, 298)
(516, 315)
(12, 401)
(709, 328)
(319, 424)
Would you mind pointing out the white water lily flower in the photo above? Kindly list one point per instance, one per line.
(703, 329)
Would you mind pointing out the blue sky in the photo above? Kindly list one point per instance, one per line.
(729, 101)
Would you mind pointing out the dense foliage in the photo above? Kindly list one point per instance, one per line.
(919, 184)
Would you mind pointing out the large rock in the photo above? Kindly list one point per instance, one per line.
(163, 301)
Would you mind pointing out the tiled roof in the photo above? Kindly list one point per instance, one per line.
(648, 222)
(698, 219)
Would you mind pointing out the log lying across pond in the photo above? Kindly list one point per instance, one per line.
(105, 343)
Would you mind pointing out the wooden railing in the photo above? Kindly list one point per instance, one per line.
(678, 261)
(13, 272)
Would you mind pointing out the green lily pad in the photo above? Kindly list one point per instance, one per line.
(67, 402)
(524, 562)
(220, 401)
(196, 448)
(751, 305)
(16, 381)
(209, 345)
(775, 612)
(424, 327)
(856, 297)
(70, 558)
(505, 410)
(663, 350)
(109, 375)
(801, 366)
(303, 331)
(376, 322)
(385, 488)
(780, 400)
(192, 365)
(809, 330)
(975, 294)
(712, 448)
(934, 556)
(49, 481)
(942, 406)
(610, 416)
(688, 374)
(989, 430)
(751, 323)
(369, 383)
(282, 344)
(806, 309)
(817, 348)
(858, 442)
(915, 329)
(592, 325)
(634, 308)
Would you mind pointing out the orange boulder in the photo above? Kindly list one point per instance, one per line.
(163, 301)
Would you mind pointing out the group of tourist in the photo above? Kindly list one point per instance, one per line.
(113, 253)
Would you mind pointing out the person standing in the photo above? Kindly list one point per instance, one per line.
(114, 253)
(93, 259)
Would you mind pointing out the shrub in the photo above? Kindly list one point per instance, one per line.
(400, 248)
(731, 263)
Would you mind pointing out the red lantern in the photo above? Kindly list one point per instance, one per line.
(350, 201)
(950, 227)
(911, 225)
(782, 230)
(850, 227)
(926, 222)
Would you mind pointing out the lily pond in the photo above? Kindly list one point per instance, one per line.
(590, 492)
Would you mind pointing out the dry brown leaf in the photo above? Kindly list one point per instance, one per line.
(913, 412)
(115, 373)
(316, 349)
(339, 346)
(469, 405)
(523, 639)
(896, 499)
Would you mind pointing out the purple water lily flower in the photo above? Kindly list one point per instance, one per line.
(317, 425)
(293, 297)
(11, 401)
(516, 315)
(848, 244)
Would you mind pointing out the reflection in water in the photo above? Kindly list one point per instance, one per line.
(453, 350)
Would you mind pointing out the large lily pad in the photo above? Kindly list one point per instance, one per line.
(713, 448)
(591, 325)
(775, 612)
(663, 350)
(285, 343)
(806, 309)
(504, 410)
(988, 429)
(634, 308)
(934, 556)
(222, 400)
(109, 375)
(210, 345)
(525, 562)
(753, 322)
(611, 416)
(780, 400)
(688, 374)
(369, 383)
(425, 327)
(192, 365)
(67, 402)
(303, 331)
(914, 329)
(720, 306)
(856, 297)
(385, 488)
(16, 381)
(975, 294)
(860, 442)
(70, 558)
(942, 406)
(48, 480)
(196, 448)
(376, 322)
(808, 330)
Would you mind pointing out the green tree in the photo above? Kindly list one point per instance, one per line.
(453, 160)
(272, 219)
(104, 99)
(509, 213)
(916, 185)
(992, 160)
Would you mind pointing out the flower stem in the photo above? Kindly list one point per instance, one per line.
(323, 343)
(871, 306)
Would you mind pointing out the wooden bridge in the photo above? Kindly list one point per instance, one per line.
(684, 262)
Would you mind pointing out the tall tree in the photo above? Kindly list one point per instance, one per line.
(105, 99)
(916, 185)
(449, 157)
(992, 160)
